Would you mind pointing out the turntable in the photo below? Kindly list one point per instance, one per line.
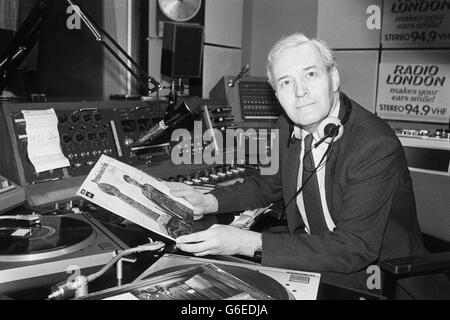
(41, 248)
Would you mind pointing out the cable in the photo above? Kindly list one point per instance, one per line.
(321, 163)
(80, 282)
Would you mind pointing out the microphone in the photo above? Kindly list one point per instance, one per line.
(244, 70)
(189, 106)
(331, 130)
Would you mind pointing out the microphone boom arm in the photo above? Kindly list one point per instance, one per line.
(141, 76)
(23, 41)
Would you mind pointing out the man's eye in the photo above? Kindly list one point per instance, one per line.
(311, 74)
(285, 83)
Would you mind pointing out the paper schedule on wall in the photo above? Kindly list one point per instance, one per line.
(414, 92)
(44, 148)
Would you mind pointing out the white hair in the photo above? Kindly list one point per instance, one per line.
(293, 41)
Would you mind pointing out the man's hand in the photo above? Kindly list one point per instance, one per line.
(220, 240)
(203, 203)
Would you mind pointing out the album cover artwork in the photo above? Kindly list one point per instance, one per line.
(137, 197)
(199, 282)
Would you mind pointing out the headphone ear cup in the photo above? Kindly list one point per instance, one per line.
(330, 128)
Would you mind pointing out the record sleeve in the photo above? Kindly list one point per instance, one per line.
(200, 282)
(137, 197)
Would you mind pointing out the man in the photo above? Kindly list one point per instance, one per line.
(366, 204)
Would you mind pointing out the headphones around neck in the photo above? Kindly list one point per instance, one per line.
(330, 129)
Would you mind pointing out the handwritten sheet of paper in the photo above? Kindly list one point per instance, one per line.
(44, 149)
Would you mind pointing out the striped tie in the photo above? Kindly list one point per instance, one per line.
(311, 194)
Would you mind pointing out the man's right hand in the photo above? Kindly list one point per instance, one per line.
(203, 203)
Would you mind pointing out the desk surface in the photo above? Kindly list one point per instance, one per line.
(39, 288)
(327, 291)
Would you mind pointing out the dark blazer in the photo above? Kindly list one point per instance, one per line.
(369, 196)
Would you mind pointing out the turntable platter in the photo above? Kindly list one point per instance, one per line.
(55, 236)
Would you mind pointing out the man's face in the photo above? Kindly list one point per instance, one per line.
(304, 87)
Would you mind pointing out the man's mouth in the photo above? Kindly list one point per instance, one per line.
(303, 105)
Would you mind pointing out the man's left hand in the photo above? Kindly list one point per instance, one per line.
(220, 240)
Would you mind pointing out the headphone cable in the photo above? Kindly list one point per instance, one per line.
(326, 155)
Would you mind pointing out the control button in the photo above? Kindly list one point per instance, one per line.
(75, 117)
(62, 118)
(79, 137)
(67, 138)
(98, 116)
(87, 117)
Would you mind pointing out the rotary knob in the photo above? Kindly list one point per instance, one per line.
(128, 141)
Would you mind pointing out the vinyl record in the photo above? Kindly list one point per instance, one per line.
(55, 236)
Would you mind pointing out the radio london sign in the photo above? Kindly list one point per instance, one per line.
(416, 23)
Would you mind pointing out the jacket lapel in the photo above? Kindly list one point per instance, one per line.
(330, 169)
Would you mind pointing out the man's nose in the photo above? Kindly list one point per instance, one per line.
(300, 89)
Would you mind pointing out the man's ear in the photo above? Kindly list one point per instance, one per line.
(335, 79)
